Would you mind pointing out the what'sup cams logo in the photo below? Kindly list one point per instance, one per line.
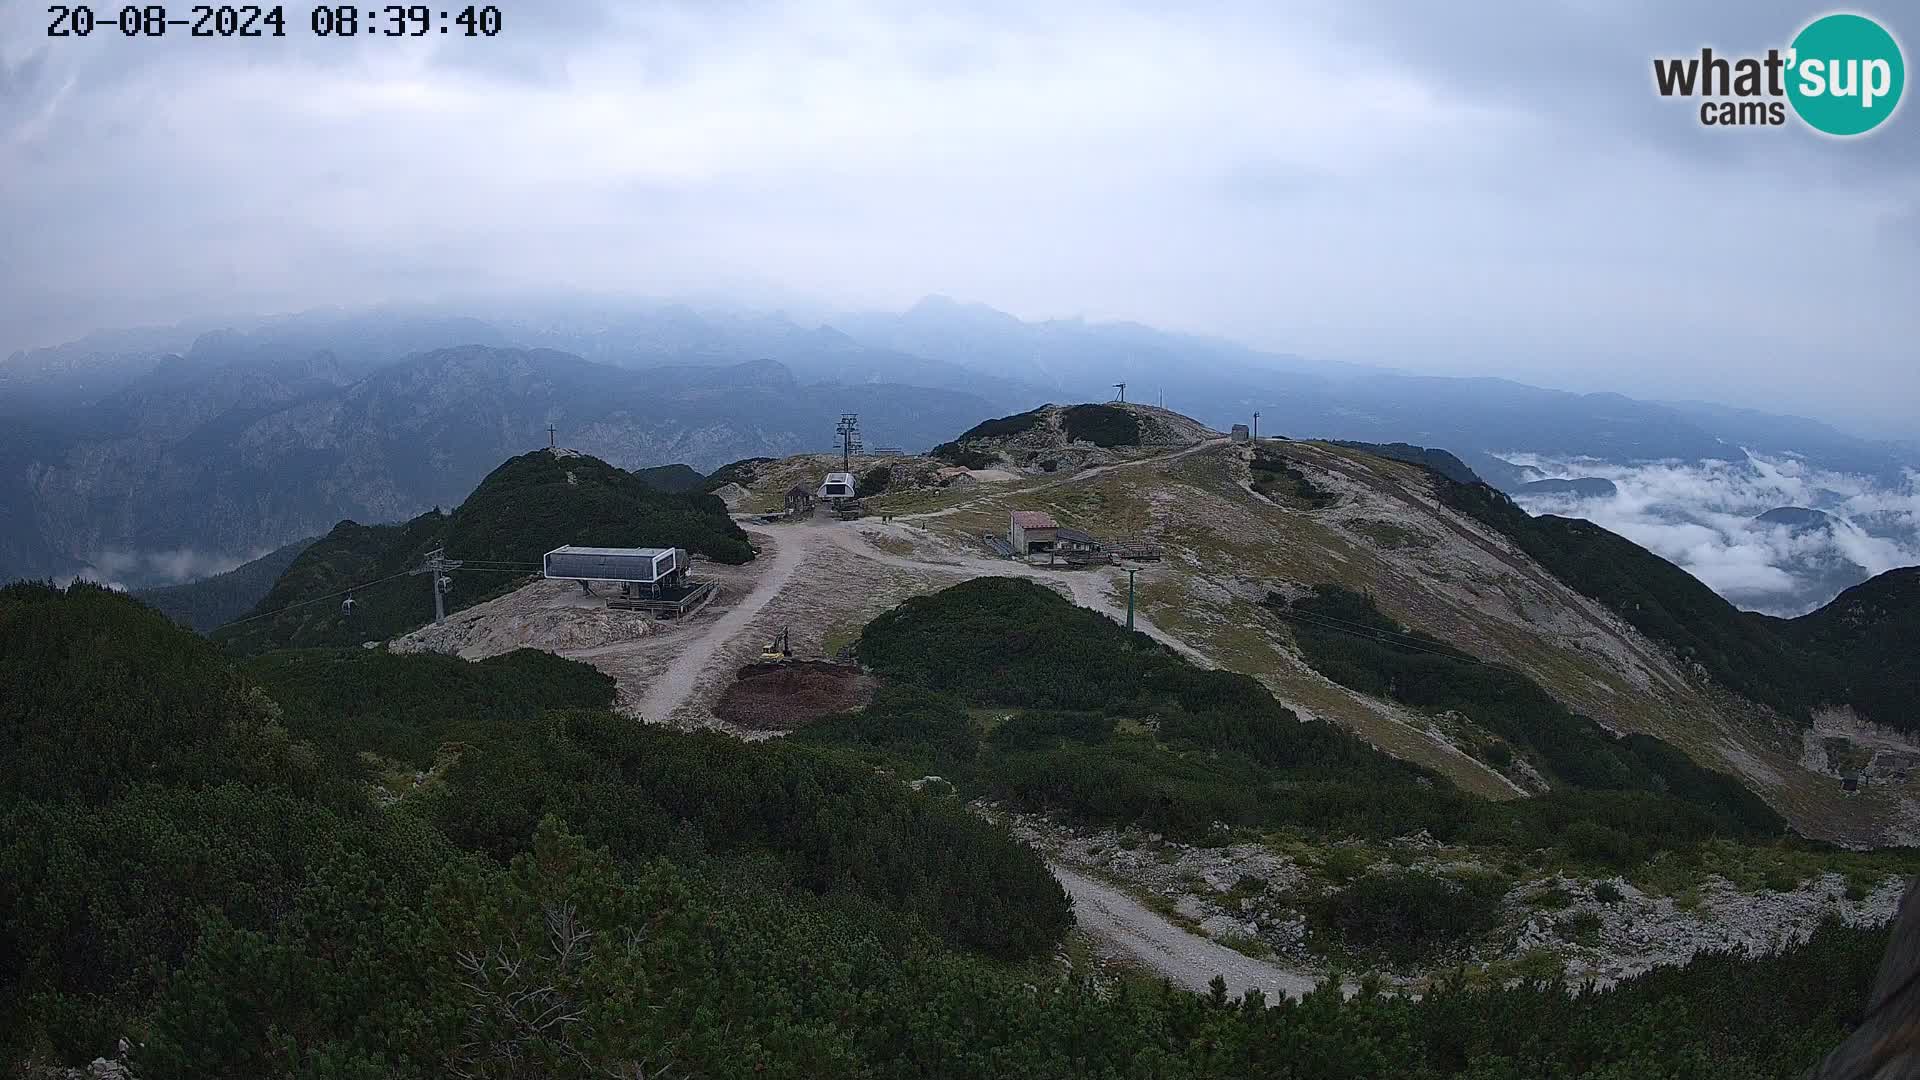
(1842, 76)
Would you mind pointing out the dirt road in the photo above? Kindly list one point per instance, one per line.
(1186, 960)
(1089, 587)
(665, 694)
(1084, 474)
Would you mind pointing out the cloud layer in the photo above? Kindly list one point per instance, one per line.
(1700, 516)
(125, 570)
(1448, 188)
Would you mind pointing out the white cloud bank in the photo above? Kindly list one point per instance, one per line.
(1700, 515)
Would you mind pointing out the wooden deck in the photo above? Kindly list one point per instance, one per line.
(663, 606)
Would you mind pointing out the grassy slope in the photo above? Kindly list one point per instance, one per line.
(1428, 568)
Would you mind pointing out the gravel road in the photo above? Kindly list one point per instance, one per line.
(1187, 960)
(666, 694)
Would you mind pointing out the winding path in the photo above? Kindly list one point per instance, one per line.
(1084, 474)
(1087, 586)
(1187, 960)
(1126, 925)
(666, 694)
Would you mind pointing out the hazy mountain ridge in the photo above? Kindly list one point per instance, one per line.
(675, 334)
(200, 453)
(281, 426)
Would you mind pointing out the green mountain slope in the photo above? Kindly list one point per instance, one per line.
(1347, 639)
(1111, 727)
(536, 502)
(1868, 637)
(672, 478)
(196, 859)
(523, 509)
(1857, 650)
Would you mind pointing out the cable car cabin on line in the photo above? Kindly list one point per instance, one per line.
(656, 569)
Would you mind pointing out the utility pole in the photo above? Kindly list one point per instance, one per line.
(1122, 387)
(550, 437)
(437, 564)
(1256, 425)
(1130, 572)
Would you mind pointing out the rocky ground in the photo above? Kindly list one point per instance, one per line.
(551, 615)
(1046, 449)
(1248, 897)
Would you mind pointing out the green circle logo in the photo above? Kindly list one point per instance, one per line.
(1845, 74)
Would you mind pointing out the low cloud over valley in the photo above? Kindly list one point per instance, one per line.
(1703, 516)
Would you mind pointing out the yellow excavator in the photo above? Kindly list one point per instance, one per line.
(780, 648)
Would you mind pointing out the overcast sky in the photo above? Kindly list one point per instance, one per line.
(1490, 190)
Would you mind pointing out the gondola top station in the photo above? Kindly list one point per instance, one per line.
(650, 579)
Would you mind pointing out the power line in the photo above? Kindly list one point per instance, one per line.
(1328, 622)
(505, 568)
(1390, 637)
(1367, 627)
(317, 599)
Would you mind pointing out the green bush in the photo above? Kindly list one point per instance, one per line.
(1592, 842)
(1407, 915)
(1580, 926)
(230, 899)
(1101, 425)
(1274, 474)
(1004, 427)
(1551, 898)
(954, 454)
(875, 481)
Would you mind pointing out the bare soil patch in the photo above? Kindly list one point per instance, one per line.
(786, 696)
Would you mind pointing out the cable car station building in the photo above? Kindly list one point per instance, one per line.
(650, 579)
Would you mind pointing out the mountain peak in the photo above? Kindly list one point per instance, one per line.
(1798, 518)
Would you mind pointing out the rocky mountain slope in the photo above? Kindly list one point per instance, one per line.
(1066, 438)
(1238, 524)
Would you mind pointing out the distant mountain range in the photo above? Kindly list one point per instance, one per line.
(233, 440)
